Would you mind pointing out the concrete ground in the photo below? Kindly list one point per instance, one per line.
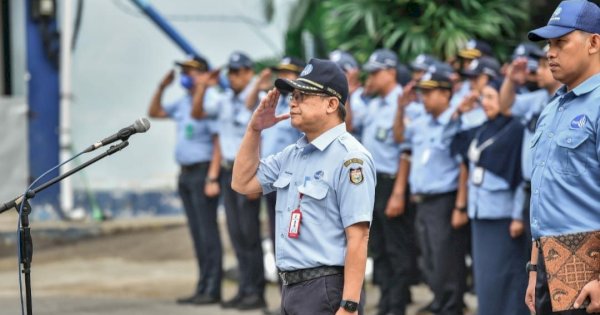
(134, 266)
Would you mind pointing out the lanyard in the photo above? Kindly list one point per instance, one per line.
(475, 150)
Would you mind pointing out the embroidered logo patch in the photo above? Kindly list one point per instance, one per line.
(356, 175)
(306, 70)
(579, 122)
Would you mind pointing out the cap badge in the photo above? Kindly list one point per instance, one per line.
(306, 70)
(427, 76)
(520, 51)
(286, 61)
(235, 57)
(556, 15)
(336, 56)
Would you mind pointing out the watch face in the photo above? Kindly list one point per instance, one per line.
(350, 306)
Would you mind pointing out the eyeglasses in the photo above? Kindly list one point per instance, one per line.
(298, 97)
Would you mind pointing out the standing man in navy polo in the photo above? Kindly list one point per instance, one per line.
(197, 153)
(325, 187)
(242, 211)
(565, 182)
(390, 243)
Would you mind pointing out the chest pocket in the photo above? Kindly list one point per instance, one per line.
(314, 203)
(282, 184)
(571, 153)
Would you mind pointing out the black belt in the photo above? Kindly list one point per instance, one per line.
(386, 176)
(420, 198)
(227, 165)
(297, 276)
(527, 186)
(194, 167)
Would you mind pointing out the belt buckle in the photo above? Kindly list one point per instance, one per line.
(418, 198)
(283, 279)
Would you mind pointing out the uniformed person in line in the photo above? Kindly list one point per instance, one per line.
(390, 244)
(531, 54)
(439, 194)
(242, 210)
(198, 155)
(528, 107)
(566, 152)
(479, 72)
(325, 186)
(356, 106)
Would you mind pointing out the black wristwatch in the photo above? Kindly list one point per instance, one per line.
(530, 267)
(349, 306)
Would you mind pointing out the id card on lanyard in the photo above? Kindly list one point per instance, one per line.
(295, 221)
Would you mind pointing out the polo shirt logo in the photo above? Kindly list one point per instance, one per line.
(556, 15)
(579, 122)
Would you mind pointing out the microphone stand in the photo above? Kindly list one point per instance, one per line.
(26, 248)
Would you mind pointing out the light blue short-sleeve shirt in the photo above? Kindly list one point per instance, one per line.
(194, 142)
(433, 169)
(565, 149)
(336, 177)
(377, 134)
(234, 117)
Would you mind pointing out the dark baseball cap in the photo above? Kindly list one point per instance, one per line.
(530, 51)
(475, 49)
(239, 60)
(194, 62)
(289, 63)
(570, 15)
(435, 78)
(381, 59)
(422, 62)
(321, 76)
(484, 65)
(343, 59)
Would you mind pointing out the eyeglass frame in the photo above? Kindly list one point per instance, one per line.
(303, 93)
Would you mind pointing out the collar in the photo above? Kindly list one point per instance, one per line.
(588, 85)
(392, 96)
(444, 118)
(324, 140)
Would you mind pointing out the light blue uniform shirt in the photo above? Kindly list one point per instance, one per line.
(566, 163)
(336, 176)
(276, 138)
(358, 105)
(233, 120)
(194, 136)
(377, 134)
(433, 170)
(493, 198)
(528, 106)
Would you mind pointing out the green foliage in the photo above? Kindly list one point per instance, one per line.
(408, 27)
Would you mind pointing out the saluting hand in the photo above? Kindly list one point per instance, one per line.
(264, 116)
(167, 79)
(264, 80)
(517, 72)
(408, 96)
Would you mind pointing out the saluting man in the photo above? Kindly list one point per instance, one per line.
(325, 186)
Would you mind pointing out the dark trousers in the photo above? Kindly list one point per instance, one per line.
(320, 296)
(243, 225)
(443, 249)
(543, 305)
(392, 246)
(201, 212)
(526, 216)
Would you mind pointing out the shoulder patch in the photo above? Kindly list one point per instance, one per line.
(356, 175)
(353, 161)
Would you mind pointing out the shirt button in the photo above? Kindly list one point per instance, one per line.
(550, 135)
(281, 235)
(543, 163)
(560, 109)
(569, 140)
(537, 191)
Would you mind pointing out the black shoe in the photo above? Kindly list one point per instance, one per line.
(427, 310)
(199, 299)
(251, 302)
(233, 303)
(272, 312)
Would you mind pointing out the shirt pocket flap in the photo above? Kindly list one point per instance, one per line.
(571, 140)
(535, 139)
(283, 181)
(314, 189)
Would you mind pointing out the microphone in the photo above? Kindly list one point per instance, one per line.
(139, 126)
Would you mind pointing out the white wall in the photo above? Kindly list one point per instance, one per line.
(120, 58)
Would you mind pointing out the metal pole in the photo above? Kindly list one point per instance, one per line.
(66, 96)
